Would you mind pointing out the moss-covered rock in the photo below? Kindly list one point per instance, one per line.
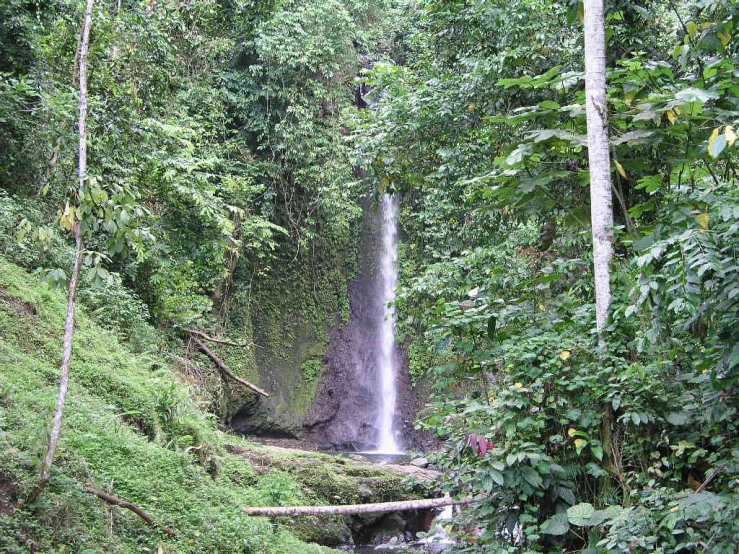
(326, 479)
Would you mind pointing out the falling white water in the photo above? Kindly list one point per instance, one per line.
(385, 357)
(437, 535)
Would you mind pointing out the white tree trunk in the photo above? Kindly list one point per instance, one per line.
(350, 509)
(601, 205)
(78, 255)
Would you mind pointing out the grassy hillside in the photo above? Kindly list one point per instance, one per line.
(129, 425)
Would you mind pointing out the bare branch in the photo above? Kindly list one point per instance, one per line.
(225, 369)
(110, 499)
(219, 341)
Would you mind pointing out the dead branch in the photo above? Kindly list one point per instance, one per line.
(349, 509)
(110, 499)
(219, 341)
(178, 359)
(225, 369)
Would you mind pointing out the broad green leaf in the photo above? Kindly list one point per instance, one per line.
(532, 477)
(693, 94)
(556, 525)
(580, 514)
(639, 136)
(497, 476)
(679, 418)
(597, 452)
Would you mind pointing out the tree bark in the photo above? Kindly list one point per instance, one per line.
(76, 267)
(109, 498)
(601, 203)
(225, 369)
(350, 509)
(601, 197)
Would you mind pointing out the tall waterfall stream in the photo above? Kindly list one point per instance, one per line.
(385, 355)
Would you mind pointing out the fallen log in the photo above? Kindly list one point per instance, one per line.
(218, 341)
(350, 509)
(225, 369)
(110, 499)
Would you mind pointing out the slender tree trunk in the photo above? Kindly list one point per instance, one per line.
(77, 266)
(601, 200)
(601, 204)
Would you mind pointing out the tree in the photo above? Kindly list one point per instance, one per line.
(601, 206)
(78, 255)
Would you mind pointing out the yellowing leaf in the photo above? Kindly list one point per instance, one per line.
(713, 137)
(564, 355)
(672, 116)
(730, 135)
(160, 550)
(571, 432)
(518, 385)
(692, 28)
(703, 220)
(67, 219)
(620, 169)
(542, 308)
(711, 141)
(580, 444)
(724, 37)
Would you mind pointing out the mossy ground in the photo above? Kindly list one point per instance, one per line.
(130, 425)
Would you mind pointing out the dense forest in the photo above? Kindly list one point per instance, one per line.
(174, 171)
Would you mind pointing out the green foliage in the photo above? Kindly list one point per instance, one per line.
(311, 369)
(128, 425)
(483, 131)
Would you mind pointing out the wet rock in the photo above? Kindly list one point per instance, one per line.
(344, 413)
(326, 531)
(420, 462)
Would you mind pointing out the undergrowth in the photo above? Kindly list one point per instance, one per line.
(131, 428)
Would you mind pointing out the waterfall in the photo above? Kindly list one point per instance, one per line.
(385, 354)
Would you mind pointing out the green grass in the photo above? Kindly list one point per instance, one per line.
(128, 425)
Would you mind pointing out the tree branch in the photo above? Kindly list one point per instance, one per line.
(110, 499)
(225, 369)
(219, 341)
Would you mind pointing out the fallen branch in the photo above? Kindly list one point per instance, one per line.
(219, 341)
(178, 359)
(349, 509)
(110, 499)
(705, 483)
(225, 369)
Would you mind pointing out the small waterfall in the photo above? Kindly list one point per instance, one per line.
(385, 357)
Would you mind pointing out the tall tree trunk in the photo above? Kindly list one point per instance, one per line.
(601, 204)
(601, 201)
(77, 266)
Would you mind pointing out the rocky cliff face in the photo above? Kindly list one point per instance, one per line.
(343, 410)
